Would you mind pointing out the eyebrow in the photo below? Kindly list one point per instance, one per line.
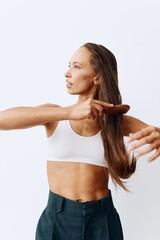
(75, 62)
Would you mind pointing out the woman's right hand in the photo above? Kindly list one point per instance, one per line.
(90, 109)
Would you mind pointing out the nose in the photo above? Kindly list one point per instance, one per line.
(67, 73)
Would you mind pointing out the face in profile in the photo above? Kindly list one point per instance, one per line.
(80, 75)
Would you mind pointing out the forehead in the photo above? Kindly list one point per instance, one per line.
(82, 55)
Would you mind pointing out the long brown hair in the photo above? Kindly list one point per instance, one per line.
(105, 65)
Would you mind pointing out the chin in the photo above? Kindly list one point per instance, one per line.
(73, 93)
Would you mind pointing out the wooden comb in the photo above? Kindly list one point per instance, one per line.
(116, 109)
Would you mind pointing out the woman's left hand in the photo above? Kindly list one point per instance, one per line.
(148, 135)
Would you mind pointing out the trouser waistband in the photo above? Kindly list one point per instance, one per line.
(59, 203)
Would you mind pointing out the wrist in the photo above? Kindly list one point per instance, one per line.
(67, 112)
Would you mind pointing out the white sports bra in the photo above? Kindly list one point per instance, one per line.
(66, 145)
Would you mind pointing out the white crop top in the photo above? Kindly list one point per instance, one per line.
(66, 145)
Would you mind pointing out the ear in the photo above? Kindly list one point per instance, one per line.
(97, 80)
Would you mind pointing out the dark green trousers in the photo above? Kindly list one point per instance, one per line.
(65, 219)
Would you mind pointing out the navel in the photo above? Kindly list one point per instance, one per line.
(79, 200)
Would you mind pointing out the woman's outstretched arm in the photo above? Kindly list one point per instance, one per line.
(25, 117)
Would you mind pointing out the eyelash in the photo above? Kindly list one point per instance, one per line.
(74, 66)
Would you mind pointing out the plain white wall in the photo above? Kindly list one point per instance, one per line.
(37, 39)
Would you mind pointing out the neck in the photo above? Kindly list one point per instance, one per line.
(82, 98)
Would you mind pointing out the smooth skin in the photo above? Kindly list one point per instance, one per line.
(73, 180)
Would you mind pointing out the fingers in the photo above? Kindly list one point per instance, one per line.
(107, 108)
(150, 136)
(154, 156)
(144, 151)
(91, 116)
(96, 111)
(111, 109)
(146, 140)
(98, 106)
(99, 109)
(103, 104)
(143, 133)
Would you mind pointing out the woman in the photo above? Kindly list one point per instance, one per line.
(85, 148)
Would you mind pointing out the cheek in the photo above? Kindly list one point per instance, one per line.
(83, 79)
(84, 85)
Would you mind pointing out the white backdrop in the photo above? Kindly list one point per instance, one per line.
(37, 39)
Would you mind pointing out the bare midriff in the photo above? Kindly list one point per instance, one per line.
(78, 181)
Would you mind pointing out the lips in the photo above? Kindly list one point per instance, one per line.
(69, 84)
